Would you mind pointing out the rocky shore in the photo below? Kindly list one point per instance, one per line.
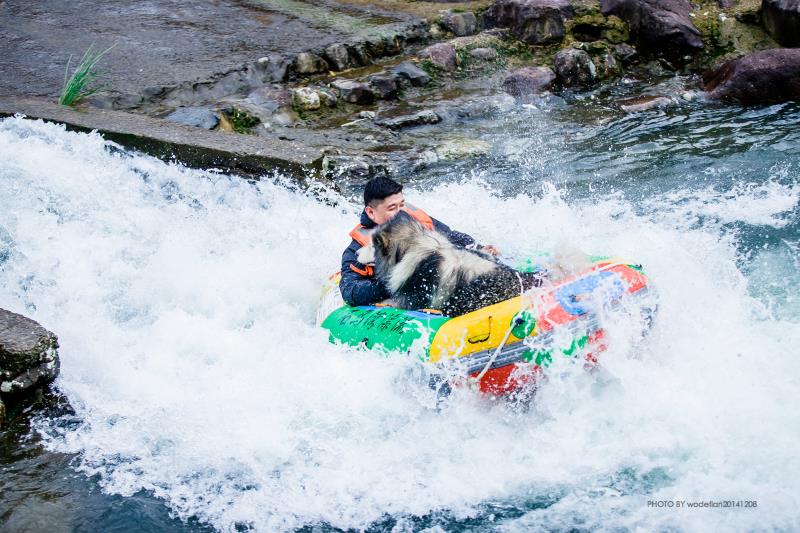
(28, 358)
(379, 86)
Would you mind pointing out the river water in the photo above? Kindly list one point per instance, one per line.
(202, 396)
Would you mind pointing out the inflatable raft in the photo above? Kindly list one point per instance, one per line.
(504, 346)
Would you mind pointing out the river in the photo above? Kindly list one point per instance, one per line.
(204, 398)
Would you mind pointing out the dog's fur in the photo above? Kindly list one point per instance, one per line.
(424, 270)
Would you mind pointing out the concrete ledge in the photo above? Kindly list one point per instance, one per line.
(194, 147)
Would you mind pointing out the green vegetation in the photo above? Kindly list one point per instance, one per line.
(242, 121)
(77, 86)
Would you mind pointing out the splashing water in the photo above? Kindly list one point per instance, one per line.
(185, 300)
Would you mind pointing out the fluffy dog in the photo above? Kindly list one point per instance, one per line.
(424, 270)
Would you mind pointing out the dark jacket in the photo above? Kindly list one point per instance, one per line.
(361, 290)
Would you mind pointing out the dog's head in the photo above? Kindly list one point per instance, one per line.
(391, 241)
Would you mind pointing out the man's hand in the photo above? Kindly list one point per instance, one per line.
(491, 250)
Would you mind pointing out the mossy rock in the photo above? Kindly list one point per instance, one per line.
(594, 27)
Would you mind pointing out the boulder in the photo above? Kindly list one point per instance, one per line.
(412, 73)
(384, 85)
(327, 96)
(626, 53)
(782, 20)
(574, 68)
(528, 80)
(442, 55)
(416, 119)
(354, 92)
(308, 63)
(660, 27)
(338, 56)
(306, 99)
(198, 117)
(533, 21)
(28, 354)
(484, 54)
(765, 77)
(460, 23)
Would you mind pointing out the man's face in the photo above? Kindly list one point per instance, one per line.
(386, 210)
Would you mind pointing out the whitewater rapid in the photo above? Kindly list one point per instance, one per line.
(184, 302)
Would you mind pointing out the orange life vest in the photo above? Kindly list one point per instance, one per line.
(363, 236)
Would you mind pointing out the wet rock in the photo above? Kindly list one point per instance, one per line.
(199, 117)
(782, 20)
(28, 355)
(452, 149)
(354, 92)
(442, 55)
(660, 27)
(327, 97)
(338, 56)
(460, 23)
(645, 103)
(270, 98)
(769, 76)
(306, 99)
(574, 68)
(384, 85)
(606, 65)
(416, 119)
(308, 63)
(484, 54)
(533, 21)
(626, 53)
(528, 80)
(412, 73)
(2, 412)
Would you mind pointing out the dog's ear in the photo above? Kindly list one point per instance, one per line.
(381, 242)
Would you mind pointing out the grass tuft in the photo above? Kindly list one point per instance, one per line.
(77, 86)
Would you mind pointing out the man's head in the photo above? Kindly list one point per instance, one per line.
(383, 198)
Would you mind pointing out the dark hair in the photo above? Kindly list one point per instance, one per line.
(379, 188)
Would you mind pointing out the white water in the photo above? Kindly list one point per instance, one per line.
(184, 303)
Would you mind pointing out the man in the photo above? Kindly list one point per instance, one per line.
(383, 200)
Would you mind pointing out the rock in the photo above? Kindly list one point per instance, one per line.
(306, 99)
(28, 354)
(782, 20)
(384, 85)
(533, 21)
(327, 97)
(354, 92)
(626, 53)
(645, 103)
(2, 412)
(528, 80)
(308, 63)
(574, 68)
(416, 119)
(460, 23)
(411, 72)
(442, 55)
(769, 76)
(338, 56)
(606, 65)
(199, 117)
(270, 98)
(484, 54)
(462, 148)
(661, 27)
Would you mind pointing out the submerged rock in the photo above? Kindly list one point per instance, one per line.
(442, 55)
(769, 76)
(782, 20)
(198, 117)
(416, 119)
(574, 68)
(533, 21)
(645, 103)
(28, 356)
(460, 23)
(661, 27)
(528, 80)
(354, 92)
(412, 73)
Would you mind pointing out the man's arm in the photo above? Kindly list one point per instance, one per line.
(355, 288)
(456, 237)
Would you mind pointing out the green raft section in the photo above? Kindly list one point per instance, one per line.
(387, 328)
